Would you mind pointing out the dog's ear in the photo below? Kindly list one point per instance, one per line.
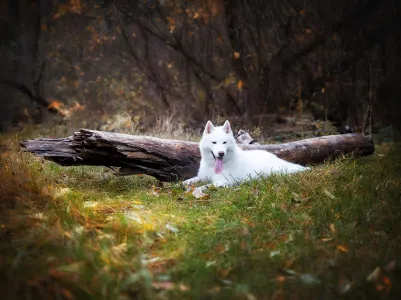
(208, 128)
(227, 127)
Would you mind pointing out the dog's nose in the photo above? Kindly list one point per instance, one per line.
(221, 153)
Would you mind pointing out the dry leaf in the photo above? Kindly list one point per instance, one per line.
(309, 279)
(344, 286)
(189, 190)
(119, 249)
(73, 268)
(199, 194)
(390, 267)
(342, 248)
(171, 228)
(332, 228)
(90, 204)
(330, 195)
(240, 85)
(326, 239)
(167, 285)
(182, 287)
(375, 275)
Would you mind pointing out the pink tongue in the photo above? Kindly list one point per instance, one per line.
(218, 167)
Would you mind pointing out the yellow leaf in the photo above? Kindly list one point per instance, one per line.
(323, 90)
(236, 55)
(332, 228)
(240, 85)
(120, 249)
(55, 104)
(326, 239)
(342, 248)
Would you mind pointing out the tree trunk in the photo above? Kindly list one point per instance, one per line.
(170, 160)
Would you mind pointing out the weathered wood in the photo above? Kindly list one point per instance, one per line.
(170, 160)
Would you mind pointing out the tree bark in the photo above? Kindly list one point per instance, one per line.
(171, 160)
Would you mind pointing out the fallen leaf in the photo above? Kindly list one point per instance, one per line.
(199, 194)
(155, 191)
(274, 253)
(90, 204)
(151, 261)
(133, 216)
(288, 272)
(168, 285)
(122, 248)
(328, 239)
(344, 286)
(79, 230)
(386, 281)
(61, 192)
(330, 195)
(39, 216)
(309, 279)
(210, 263)
(182, 287)
(342, 248)
(375, 275)
(73, 268)
(189, 190)
(171, 228)
(332, 228)
(390, 267)
(240, 85)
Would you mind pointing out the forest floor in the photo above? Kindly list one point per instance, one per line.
(82, 233)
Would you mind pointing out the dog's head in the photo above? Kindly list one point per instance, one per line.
(217, 142)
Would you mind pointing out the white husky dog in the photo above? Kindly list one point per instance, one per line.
(223, 163)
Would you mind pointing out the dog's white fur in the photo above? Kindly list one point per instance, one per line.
(238, 165)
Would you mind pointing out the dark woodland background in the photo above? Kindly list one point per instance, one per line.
(255, 62)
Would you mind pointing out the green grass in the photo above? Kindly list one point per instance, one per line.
(82, 233)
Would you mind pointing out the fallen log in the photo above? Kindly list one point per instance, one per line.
(171, 160)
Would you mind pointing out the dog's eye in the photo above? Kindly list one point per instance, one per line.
(224, 142)
(213, 142)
